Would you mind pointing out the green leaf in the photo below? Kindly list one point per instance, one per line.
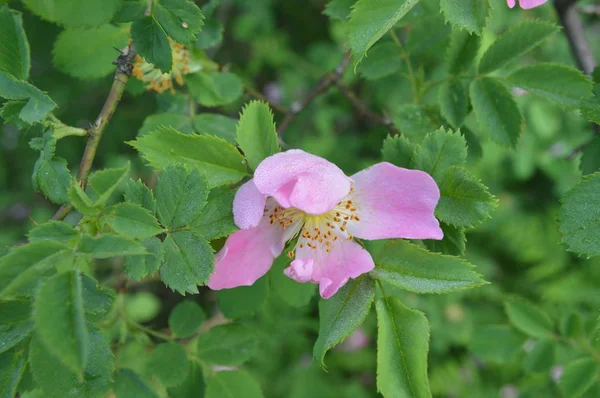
(469, 15)
(415, 121)
(152, 43)
(180, 196)
(461, 51)
(214, 88)
(243, 300)
(81, 201)
(563, 85)
(96, 299)
(439, 151)
(12, 368)
(169, 363)
(579, 375)
(74, 12)
(454, 102)
(338, 9)
(60, 320)
(232, 384)
(528, 318)
(427, 37)
(132, 220)
(402, 346)
(24, 265)
(216, 220)
(188, 261)
(256, 133)
(541, 357)
(192, 387)
(218, 125)
(182, 20)
(58, 381)
(384, 59)
(137, 192)
(579, 217)
(58, 231)
(370, 20)
(219, 161)
(130, 11)
(53, 178)
(177, 121)
(14, 54)
(211, 34)
(15, 322)
(102, 184)
(137, 267)
(590, 159)
(417, 270)
(496, 110)
(496, 343)
(10, 113)
(398, 150)
(109, 245)
(454, 242)
(88, 53)
(519, 40)
(342, 313)
(129, 384)
(38, 103)
(186, 318)
(464, 201)
(227, 345)
(288, 290)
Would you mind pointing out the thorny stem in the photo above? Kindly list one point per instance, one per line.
(124, 67)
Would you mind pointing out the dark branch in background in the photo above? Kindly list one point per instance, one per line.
(569, 17)
(124, 67)
(255, 94)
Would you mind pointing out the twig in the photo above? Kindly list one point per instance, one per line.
(590, 9)
(124, 67)
(255, 94)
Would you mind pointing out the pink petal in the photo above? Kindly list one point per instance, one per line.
(527, 4)
(248, 206)
(246, 256)
(301, 180)
(392, 202)
(511, 3)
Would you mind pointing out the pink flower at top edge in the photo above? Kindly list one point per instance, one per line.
(294, 193)
(525, 4)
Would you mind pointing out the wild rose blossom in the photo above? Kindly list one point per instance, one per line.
(296, 194)
(525, 4)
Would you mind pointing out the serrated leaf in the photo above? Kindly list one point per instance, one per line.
(464, 200)
(256, 133)
(339, 9)
(461, 51)
(53, 178)
(453, 243)
(398, 150)
(210, 35)
(179, 122)
(10, 114)
(414, 121)
(469, 15)
(88, 53)
(180, 196)
(137, 192)
(102, 183)
(12, 368)
(216, 220)
(219, 161)
(371, 19)
(227, 345)
(129, 384)
(188, 261)
(58, 381)
(38, 103)
(109, 245)
(25, 264)
(439, 151)
(342, 313)
(454, 102)
(132, 220)
(15, 322)
(384, 59)
(214, 88)
(137, 267)
(232, 384)
(215, 124)
(519, 40)
(579, 217)
(182, 20)
(14, 54)
(57, 231)
(60, 320)
(578, 376)
(496, 343)
(81, 201)
(428, 37)
(75, 12)
(186, 318)
(130, 11)
(96, 300)
(243, 300)
(496, 110)
(169, 363)
(402, 346)
(152, 43)
(528, 318)
(417, 270)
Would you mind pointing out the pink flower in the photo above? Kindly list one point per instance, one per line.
(294, 193)
(526, 4)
